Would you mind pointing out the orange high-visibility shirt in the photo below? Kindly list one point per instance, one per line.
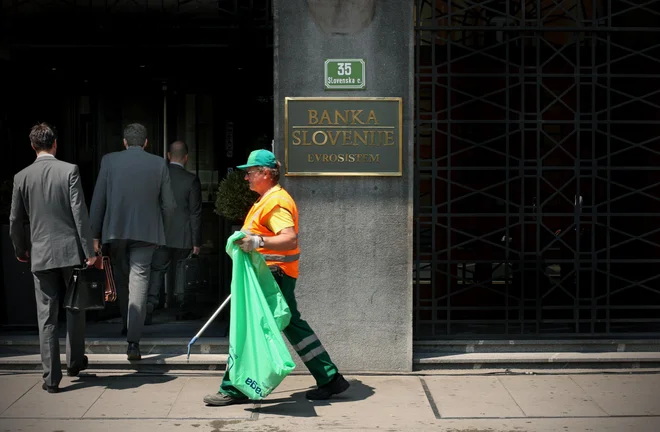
(256, 222)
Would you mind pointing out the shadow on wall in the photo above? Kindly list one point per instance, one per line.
(342, 16)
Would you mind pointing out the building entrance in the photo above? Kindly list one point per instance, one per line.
(201, 75)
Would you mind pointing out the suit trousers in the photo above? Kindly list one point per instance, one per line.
(49, 285)
(131, 262)
(162, 266)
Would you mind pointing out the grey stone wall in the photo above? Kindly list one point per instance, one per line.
(355, 285)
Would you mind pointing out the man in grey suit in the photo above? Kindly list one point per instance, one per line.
(131, 196)
(182, 230)
(48, 194)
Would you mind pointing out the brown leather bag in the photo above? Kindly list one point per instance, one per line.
(103, 263)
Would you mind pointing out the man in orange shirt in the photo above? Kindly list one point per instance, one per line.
(272, 230)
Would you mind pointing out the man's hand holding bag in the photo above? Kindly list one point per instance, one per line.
(91, 286)
(110, 290)
(86, 289)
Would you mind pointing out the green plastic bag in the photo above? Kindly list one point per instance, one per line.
(258, 357)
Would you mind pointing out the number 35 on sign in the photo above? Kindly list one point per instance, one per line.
(345, 74)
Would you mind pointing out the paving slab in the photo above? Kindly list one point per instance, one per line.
(74, 399)
(14, 387)
(623, 395)
(137, 397)
(486, 395)
(379, 401)
(190, 404)
(550, 396)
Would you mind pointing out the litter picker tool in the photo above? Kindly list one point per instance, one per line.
(199, 333)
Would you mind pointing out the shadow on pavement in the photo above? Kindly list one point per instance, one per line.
(298, 406)
(118, 382)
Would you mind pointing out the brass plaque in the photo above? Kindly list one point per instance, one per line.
(327, 136)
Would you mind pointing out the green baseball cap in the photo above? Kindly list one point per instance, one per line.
(261, 158)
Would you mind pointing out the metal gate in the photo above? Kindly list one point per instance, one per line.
(537, 175)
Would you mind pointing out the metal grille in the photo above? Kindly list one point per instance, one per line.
(537, 155)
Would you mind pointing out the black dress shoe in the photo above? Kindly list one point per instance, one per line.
(74, 371)
(133, 352)
(50, 389)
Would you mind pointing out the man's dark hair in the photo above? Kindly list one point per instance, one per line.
(135, 135)
(42, 136)
(178, 149)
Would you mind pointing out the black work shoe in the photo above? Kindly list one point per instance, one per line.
(50, 389)
(221, 399)
(133, 352)
(74, 371)
(336, 386)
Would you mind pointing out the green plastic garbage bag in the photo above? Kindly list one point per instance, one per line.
(258, 357)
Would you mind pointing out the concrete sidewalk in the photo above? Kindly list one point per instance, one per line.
(474, 401)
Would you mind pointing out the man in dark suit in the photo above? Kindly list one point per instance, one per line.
(131, 196)
(182, 230)
(48, 194)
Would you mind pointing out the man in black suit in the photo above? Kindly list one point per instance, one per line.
(183, 230)
(131, 197)
(49, 196)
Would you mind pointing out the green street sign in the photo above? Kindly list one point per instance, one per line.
(345, 74)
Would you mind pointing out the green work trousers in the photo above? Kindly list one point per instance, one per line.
(302, 338)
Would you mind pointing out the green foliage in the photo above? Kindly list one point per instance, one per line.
(234, 198)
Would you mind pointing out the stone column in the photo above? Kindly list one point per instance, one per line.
(355, 285)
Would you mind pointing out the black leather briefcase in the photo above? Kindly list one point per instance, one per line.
(86, 289)
(191, 276)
